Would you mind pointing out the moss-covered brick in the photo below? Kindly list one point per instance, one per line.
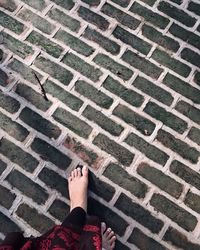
(153, 90)
(189, 111)
(3, 166)
(64, 19)
(144, 125)
(194, 7)
(120, 176)
(54, 181)
(132, 40)
(4, 79)
(7, 225)
(37, 21)
(67, 98)
(50, 153)
(191, 57)
(26, 72)
(101, 188)
(149, 16)
(123, 155)
(120, 16)
(138, 213)
(178, 146)
(8, 103)
(92, 2)
(142, 241)
(193, 201)
(194, 135)
(33, 97)
(106, 214)
(179, 240)
(185, 35)
(116, 68)
(72, 122)
(157, 37)
(82, 151)
(93, 94)
(101, 40)
(45, 44)
(6, 197)
(152, 152)
(13, 128)
(123, 3)
(41, 223)
(102, 120)
(166, 117)
(11, 23)
(174, 212)
(59, 209)
(82, 66)
(54, 70)
(66, 4)
(40, 124)
(11, 5)
(160, 179)
(93, 18)
(74, 43)
(186, 173)
(126, 94)
(182, 87)
(142, 64)
(197, 78)
(165, 59)
(17, 155)
(36, 4)
(19, 48)
(177, 14)
(27, 187)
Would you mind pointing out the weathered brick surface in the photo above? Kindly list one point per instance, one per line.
(126, 94)
(41, 224)
(152, 152)
(18, 155)
(142, 64)
(179, 240)
(27, 186)
(7, 197)
(142, 124)
(119, 176)
(159, 179)
(94, 94)
(180, 147)
(123, 155)
(103, 121)
(174, 212)
(13, 128)
(138, 213)
(50, 153)
(37, 122)
(142, 241)
(113, 85)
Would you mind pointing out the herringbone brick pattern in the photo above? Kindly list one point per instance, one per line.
(113, 84)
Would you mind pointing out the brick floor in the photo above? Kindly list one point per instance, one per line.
(112, 84)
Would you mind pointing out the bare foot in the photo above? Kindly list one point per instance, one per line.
(78, 184)
(108, 237)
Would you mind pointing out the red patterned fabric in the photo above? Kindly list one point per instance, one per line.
(62, 238)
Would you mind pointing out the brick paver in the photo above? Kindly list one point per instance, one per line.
(114, 84)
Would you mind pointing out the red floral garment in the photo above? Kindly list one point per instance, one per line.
(63, 238)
